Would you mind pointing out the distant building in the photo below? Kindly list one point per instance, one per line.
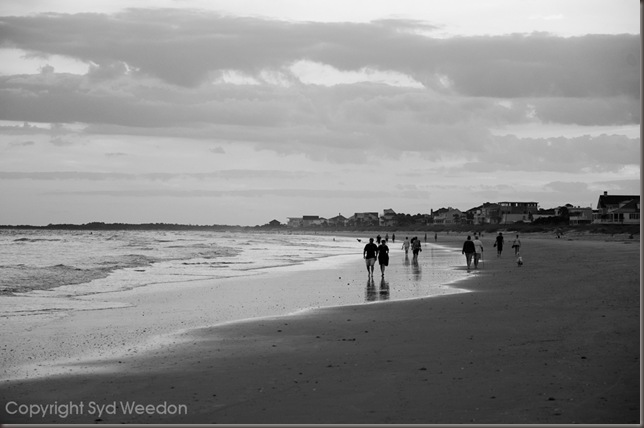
(622, 209)
(580, 215)
(388, 218)
(338, 220)
(512, 212)
(447, 216)
(306, 221)
(474, 216)
(364, 219)
(295, 222)
(551, 212)
(487, 213)
(312, 220)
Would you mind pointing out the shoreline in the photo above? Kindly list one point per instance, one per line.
(555, 341)
(139, 319)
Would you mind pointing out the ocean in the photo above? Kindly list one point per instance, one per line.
(68, 297)
(44, 271)
(47, 270)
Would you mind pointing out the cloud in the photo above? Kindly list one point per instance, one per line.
(163, 73)
(157, 176)
(337, 123)
(186, 48)
(567, 187)
(589, 111)
(299, 193)
(586, 154)
(358, 95)
(619, 187)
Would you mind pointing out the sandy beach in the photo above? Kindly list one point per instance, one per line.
(555, 341)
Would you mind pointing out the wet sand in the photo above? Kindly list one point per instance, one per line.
(554, 341)
(58, 341)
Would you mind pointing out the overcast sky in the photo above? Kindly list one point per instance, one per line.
(243, 111)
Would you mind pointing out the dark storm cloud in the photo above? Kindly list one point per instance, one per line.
(186, 47)
(151, 73)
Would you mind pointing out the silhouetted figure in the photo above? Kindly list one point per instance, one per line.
(383, 257)
(499, 244)
(469, 250)
(406, 244)
(415, 247)
(369, 253)
(478, 255)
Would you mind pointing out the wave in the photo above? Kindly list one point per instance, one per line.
(64, 264)
(36, 239)
(23, 278)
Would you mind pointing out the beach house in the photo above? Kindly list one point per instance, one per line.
(306, 221)
(544, 214)
(580, 215)
(512, 212)
(488, 213)
(447, 215)
(312, 220)
(364, 219)
(621, 209)
(294, 222)
(338, 220)
(388, 217)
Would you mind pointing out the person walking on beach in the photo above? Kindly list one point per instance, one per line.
(478, 251)
(516, 244)
(386, 237)
(415, 247)
(469, 250)
(383, 256)
(393, 238)
(435, 236)
(499, 244)
(405, 245)
(369, 254)
(378, 239)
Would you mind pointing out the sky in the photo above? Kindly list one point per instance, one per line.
(239, 112)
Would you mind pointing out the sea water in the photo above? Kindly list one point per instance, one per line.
(69, 297)
(43, 271)
(52, 267)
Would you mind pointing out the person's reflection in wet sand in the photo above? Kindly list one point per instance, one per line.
(415, 269)
(384, 289)
(370, 293)
(406, 261)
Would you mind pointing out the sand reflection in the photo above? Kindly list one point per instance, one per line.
(373, 294)
(416, 271)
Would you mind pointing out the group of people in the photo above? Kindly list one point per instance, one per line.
(473, 250)
(372, 252)
(386, 238)
(380, 252)
(415, 245)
